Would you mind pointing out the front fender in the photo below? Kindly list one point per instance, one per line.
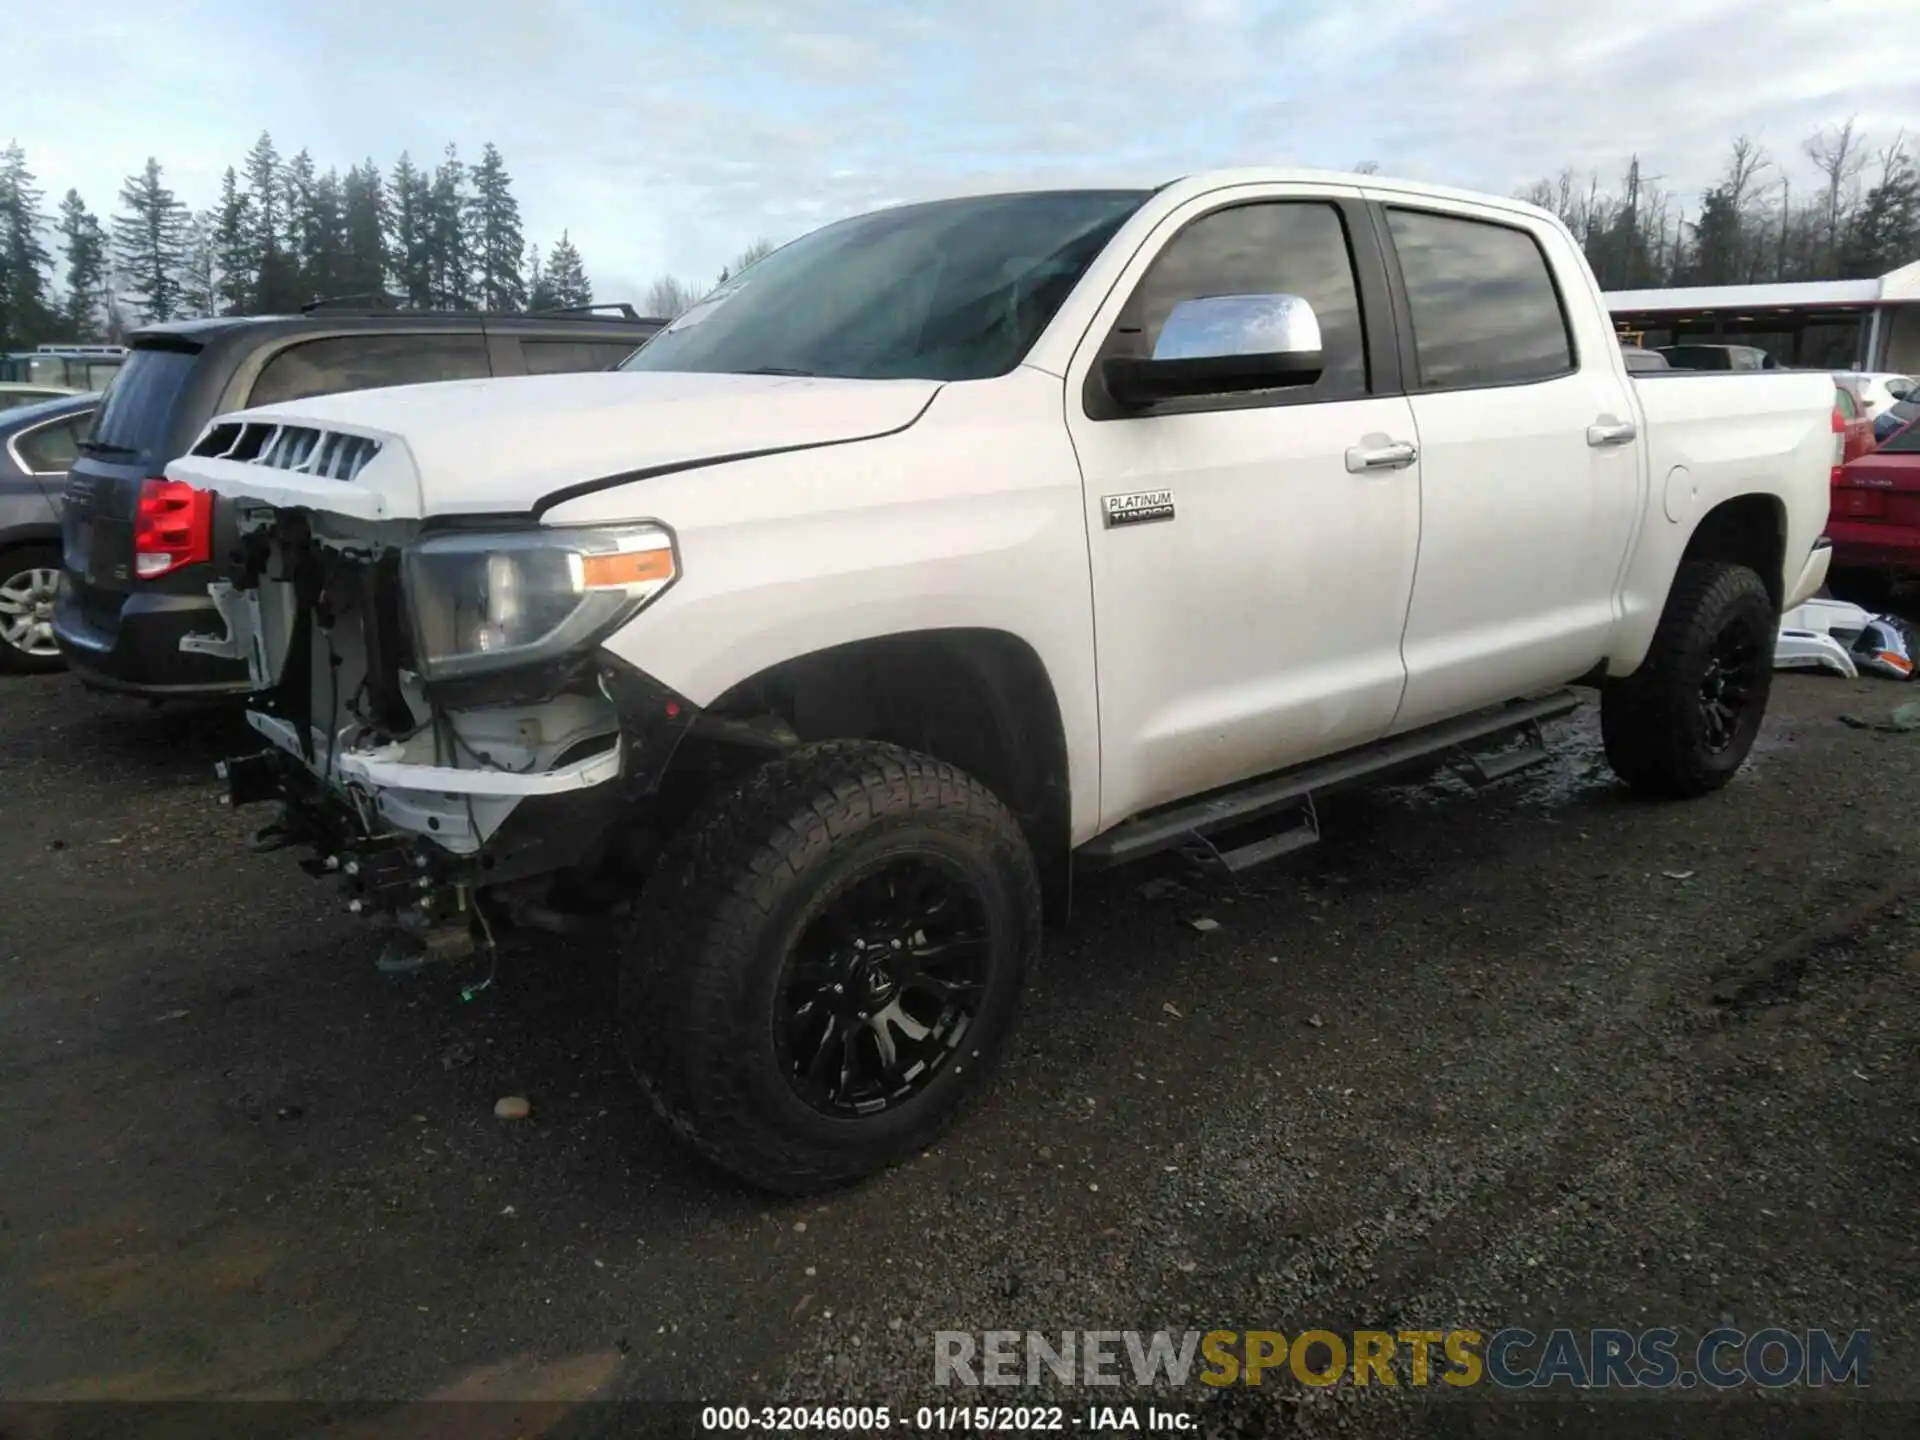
(972, 519)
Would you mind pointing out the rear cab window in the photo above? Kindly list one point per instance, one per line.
(1484, 305)
(368, 362)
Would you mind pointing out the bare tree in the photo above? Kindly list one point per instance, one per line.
(669, 297)
(1744, 163)
(1839, 154)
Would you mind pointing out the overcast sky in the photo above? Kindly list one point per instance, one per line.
(668, 135)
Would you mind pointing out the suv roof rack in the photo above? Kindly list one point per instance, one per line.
(369, 300)
(588, 312)
(380, 303)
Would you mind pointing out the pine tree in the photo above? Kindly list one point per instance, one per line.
(149, 243)
(26, 318)
(449, 226)
(86, 246)
(1886, 232)
(276, 278)
(233, 246)
(200, 272)
(303, 242)
(567, 276)
(497, 240)
(363, 224)
(322, 238)
(410, 234)
(540, 294)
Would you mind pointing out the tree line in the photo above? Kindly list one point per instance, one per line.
(282, 233)
(449, 237)
(1852, 214)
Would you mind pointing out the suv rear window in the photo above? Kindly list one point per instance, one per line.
(368, 362)
(553, 357)
(139, 403)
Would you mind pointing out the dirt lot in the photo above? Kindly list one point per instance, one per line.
(1538, 1054)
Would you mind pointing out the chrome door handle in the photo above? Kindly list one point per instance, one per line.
(1396, 455)
(1610, 432)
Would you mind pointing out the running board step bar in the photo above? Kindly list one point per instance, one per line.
(1302, 830)
(1190, 823)
(1531, 751)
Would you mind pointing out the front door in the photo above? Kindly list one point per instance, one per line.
(1252, 555)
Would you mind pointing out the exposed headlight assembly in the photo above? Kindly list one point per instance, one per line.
(490, 600)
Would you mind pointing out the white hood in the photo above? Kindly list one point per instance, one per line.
(502, 446)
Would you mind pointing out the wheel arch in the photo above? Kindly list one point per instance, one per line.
(981, 699)
(1749, 530)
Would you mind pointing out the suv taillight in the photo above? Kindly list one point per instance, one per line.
(172, 527)
(1839, 444)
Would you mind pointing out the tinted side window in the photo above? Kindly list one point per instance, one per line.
(368, 362)
(52, 449)
(554, 357)
(1291, 248)
(1484, 308)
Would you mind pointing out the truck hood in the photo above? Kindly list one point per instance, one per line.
(504, 446)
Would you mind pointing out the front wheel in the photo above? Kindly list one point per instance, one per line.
(821, 976)
(1682, 724)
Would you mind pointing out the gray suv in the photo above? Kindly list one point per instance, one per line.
(139, 550)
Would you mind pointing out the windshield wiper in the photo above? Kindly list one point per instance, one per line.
(105, 447)
(779, 370)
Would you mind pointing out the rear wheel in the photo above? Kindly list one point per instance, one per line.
(822, 974)
(1682, 724)
(29, 577)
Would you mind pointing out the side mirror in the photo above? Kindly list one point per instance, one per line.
(1222, 345)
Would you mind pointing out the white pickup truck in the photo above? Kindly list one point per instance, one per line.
(956, 545)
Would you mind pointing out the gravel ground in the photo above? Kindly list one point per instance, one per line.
(1533, 1055)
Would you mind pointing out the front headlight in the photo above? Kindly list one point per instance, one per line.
(488, 600)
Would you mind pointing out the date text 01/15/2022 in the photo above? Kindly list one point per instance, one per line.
(934, 1419)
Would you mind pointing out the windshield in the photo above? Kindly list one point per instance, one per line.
(952, 290)
(1902, 442)
(138, 406)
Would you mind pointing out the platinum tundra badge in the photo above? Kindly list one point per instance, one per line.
(1138, 507)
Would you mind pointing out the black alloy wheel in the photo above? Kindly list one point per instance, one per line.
(879, 992)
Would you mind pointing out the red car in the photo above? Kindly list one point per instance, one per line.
(1874, 521)
(1852, 422)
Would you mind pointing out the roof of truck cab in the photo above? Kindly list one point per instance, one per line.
(1204, 180)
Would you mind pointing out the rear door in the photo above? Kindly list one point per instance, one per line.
(1530, 477)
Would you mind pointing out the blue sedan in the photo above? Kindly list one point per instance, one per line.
(37, 444)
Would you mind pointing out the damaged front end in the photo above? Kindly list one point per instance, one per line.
(444, 733)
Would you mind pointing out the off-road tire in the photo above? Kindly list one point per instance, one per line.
(1656, 738)
(699, 981)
